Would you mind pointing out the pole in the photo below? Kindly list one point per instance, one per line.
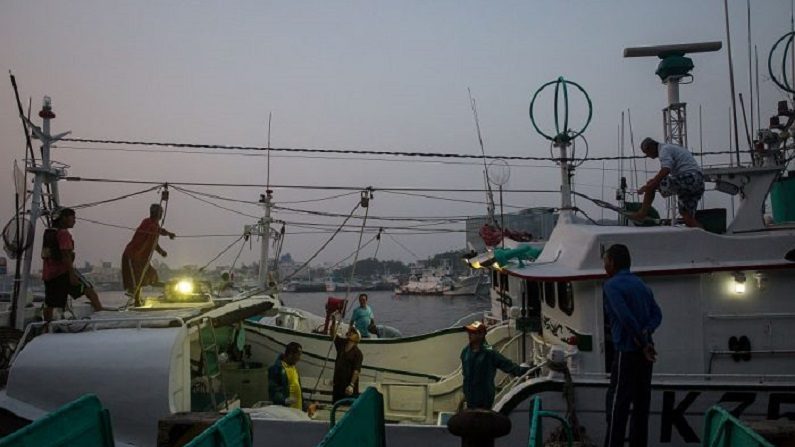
(502, 220)
(750, 67)
(565, 186)
(43, 175)
(731, 82)
(265, 228)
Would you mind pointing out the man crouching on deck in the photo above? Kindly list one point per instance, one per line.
(679, 174)
(633, 316)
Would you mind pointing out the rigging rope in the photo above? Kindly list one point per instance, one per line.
(332, 151)
(115, 199)
(295, 272)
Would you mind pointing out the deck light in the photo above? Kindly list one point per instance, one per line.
(184, 287)
(739, 283)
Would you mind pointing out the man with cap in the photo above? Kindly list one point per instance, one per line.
(59, 274)
(135, 269)
(479, 364)
(348, 364)
(679, 174)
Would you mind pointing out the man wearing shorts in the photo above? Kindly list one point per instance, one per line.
(60, 277)
(679, 174)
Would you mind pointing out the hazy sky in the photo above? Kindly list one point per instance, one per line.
(347, 75)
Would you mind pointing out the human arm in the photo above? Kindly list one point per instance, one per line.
(357, 367)
(277, 385)
(160, 251)
(507, 366)
(164, 232)
(620, 313)
(654, 182)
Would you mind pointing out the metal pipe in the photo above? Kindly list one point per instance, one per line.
(731, 82)
(750, 73)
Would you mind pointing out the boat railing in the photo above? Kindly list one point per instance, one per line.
(513, 382)
(33, 330)
(706, 378)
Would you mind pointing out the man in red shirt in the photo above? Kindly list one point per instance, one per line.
(135, 268)
(60, 277)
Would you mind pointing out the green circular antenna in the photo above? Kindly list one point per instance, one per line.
(563, 135)
(782, 82)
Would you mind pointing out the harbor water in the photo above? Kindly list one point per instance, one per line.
(410, 314)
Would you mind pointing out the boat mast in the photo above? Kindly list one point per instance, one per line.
(44, 174)
(264, 229)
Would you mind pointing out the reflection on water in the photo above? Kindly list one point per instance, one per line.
(411, 314)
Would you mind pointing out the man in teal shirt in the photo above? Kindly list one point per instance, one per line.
(362, 317)
(479, 363)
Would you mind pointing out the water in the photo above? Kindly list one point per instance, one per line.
(411, 314)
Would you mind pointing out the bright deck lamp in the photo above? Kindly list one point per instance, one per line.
(739, 283)
(184, 287)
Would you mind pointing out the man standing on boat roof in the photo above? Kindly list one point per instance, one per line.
(362, 317)
(348, 364)
(59, 274)
(135, 268)
(679, 174)
(633, 316)
(479, 363)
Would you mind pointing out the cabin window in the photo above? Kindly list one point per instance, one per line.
(532, 305)
(549, 293)
(566, 297)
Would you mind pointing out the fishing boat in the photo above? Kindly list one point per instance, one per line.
(727, 330)
(474, 284)
(425, 280)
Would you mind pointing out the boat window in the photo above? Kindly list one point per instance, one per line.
(549, 293)
(566, 297)
(532, 305)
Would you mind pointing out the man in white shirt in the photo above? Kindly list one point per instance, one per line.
(679, 174)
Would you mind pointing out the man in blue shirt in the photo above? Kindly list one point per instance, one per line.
(362, 317)
(633, 316)
(679, 174)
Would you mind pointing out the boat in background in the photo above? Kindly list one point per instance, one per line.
(425, 280)
(477, 283)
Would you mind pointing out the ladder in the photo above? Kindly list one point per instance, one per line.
(210, 364)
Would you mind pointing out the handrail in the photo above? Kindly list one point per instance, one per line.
(345, 401)
(536, 431)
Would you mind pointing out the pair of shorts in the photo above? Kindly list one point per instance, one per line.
(688, 187)
(58, 289)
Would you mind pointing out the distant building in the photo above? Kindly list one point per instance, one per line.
(538, 222)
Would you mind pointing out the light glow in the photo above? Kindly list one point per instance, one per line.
(184, 286)
(739, 288)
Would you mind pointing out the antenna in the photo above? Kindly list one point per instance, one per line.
(674, 67)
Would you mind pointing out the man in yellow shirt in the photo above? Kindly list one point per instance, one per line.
(284, 382)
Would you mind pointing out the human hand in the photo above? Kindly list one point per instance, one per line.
(171, 236)
(650, 353)
(312, 409)
(349, 390)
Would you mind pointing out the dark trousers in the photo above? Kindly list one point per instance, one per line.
(630, 385)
